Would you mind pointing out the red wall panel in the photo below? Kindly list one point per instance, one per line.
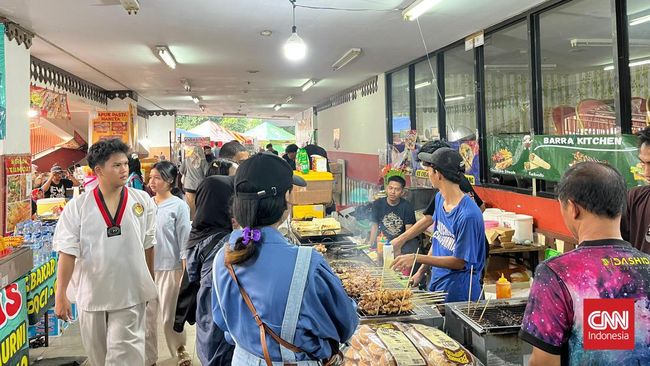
(363, 167)
(545, 211)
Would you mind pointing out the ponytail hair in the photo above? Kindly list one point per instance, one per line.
(253, 215)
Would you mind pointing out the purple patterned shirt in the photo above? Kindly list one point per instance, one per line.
(601, 269)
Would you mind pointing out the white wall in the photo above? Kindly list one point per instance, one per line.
(158, 128)
(362, 123)
(17, 91)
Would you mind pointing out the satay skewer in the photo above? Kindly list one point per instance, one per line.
(469, 297)
(483, 312)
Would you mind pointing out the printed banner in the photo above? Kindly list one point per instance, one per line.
(49, 103)
(196, 141)
(112, 124)
(18, 208)
(548, 157)
(13, 325)
(3, 90)
(41, 287)
(469, 150)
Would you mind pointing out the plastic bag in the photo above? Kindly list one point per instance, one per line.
(400, 344)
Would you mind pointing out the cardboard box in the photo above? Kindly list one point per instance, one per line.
(301, 212)
(318, 190)
(499, 235)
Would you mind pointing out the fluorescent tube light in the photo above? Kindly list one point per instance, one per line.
(632, 64)
(346, 58)
(289, 98)
(234, 115)
(186, 85)
(308, 84)
(422, 84)
(418, 8)
(196, 99)
(167, 56)
(202, 107)
(277, 107)
(640, 20)
(453, 99)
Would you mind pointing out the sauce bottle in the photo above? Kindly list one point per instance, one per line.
(504, 288)
(388, 255)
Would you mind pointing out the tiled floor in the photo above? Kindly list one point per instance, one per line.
(69, 345)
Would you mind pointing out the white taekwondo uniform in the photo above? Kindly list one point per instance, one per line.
(111, 282)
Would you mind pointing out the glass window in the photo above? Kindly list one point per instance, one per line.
(639, 32)
(507, 81)
(460, 94)
(400, 103)
(426, 100)
(578, 79)
(460, 108)
(507, 92)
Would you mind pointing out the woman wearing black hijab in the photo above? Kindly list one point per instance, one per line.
(212, 223)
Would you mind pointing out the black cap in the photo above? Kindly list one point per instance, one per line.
(264, 175)
(445, 160)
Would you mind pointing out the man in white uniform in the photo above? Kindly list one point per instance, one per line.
(105, 240)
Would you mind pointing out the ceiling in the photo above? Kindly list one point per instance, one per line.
(217, 43)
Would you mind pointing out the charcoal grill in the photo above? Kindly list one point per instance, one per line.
(422, 314)
(495, 339)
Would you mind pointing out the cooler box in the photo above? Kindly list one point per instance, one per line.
(318, 190)
(301, 212)
(50, 206)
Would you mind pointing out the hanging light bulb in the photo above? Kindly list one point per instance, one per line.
(295, 48)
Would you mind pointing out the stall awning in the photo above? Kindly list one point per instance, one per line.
(269, 132)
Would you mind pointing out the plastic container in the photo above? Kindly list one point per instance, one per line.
(507, 219)
(388, 255)
(489, 224)
(492, 214)
(523, 225)
(504, 288)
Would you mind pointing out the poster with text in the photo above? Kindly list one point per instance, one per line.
(18, 169)
(3, 93)
(13, 325)
(469, 151)
(112, 124)
(549, 156)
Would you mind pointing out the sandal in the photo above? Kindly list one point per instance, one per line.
(184, 358)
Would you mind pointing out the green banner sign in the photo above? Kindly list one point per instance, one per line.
(41, 286)
(548, 157)
(14, 345)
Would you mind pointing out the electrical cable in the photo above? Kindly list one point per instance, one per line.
(293, 2)
(433, 74)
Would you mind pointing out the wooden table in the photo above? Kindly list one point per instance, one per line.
(533, 251)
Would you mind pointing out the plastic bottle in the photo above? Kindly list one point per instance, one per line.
(388, 255)
(381, 240)
(504, 288)
(302, 160)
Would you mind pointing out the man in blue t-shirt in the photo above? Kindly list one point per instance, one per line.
(457, 248)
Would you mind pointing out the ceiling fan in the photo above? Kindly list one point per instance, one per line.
(131, 6)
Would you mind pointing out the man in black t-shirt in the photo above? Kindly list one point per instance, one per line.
(392, 216)
(419, 227)
(290, 155)
(56, 184)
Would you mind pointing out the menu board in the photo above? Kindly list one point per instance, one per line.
(18, 187)
(549, 156)
(112, 124)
